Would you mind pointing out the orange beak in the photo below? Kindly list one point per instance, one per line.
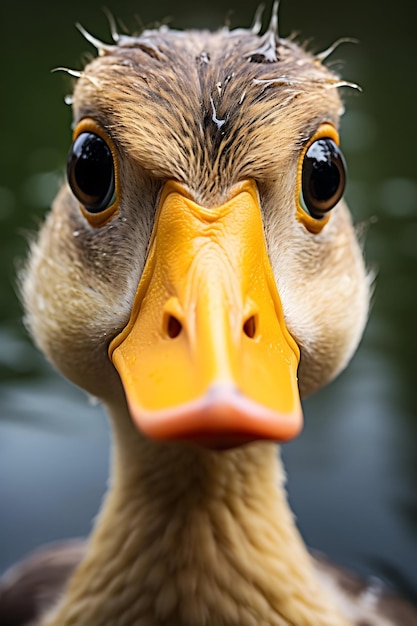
(206, 355)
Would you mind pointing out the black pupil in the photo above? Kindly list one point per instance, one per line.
(91, 172)
(323, 176)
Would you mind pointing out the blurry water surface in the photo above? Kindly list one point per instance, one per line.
(353, 472)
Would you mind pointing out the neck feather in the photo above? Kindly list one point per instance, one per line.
(194, 537)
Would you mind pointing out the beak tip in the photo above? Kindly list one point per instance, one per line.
(223, 418)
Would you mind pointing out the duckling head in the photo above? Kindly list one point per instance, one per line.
(200, 262)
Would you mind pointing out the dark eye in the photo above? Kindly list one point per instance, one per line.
(323, 177)
(90, 171)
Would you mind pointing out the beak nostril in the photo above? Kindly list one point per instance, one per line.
(249, 327)
(174, 327)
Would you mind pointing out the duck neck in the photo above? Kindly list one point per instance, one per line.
(194, 537)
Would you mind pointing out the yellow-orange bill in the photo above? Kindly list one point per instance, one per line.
(206, 355)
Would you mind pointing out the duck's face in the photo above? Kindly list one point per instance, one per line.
(201, 254)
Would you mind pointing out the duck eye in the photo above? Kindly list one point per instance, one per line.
(90, 171)
(323, 177)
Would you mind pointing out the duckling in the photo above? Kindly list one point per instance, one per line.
(199, 273)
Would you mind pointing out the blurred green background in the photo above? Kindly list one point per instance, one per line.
(353, 472)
